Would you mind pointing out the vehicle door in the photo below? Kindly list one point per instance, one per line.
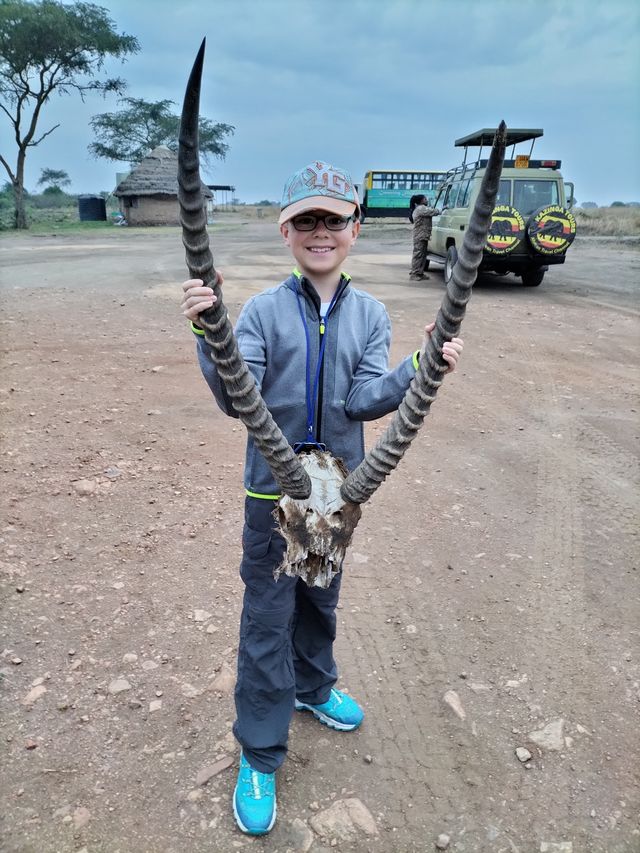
(444, 225)
(459, 210)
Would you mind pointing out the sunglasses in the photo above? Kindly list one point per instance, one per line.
(331, 221)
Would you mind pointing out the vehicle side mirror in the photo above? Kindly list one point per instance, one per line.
(569, 194)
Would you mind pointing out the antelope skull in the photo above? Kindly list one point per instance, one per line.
(321, 502)
(318, 529)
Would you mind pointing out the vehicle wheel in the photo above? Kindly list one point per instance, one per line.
(506, 230)
(452, 257)
(532, 278)
(551, 230)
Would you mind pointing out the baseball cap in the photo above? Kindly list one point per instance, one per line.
(318, 187)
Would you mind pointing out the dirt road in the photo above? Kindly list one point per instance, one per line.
(497, 567)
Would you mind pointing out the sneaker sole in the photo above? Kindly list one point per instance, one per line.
(325, 720)
(246, 829)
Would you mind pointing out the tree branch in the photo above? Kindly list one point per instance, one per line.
(44, 135)
(5, 110)
(8, 168)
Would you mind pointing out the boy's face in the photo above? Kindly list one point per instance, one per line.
(320, 252)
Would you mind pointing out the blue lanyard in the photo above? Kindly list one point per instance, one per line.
(312, 392)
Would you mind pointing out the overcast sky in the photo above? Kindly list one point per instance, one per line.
(377, 84)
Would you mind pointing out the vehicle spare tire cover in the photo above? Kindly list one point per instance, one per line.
(551, 230)
(506, 231)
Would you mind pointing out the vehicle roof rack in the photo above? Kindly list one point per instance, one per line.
(485, 136)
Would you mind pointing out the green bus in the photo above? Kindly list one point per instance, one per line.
(385, 193)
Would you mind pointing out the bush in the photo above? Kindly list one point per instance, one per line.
(52, 205)
(53, 191)
(6, 208)
(52, 198)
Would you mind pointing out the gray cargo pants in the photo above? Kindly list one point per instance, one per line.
(419, 260)
(287, 630)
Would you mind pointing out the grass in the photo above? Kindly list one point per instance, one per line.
(47, 217)
(63, 218)
(69, 227)
(607, 222)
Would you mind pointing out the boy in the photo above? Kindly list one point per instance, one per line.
(318, 350)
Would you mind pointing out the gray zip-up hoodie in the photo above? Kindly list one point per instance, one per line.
(355, 381)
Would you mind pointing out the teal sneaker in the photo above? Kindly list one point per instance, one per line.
(340, 711)
(254, 799)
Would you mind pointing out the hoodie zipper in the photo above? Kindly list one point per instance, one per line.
(322, 330)
(318, 423)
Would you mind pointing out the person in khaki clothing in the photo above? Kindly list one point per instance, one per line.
(421, 215)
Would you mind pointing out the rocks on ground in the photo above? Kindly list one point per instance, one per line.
(344, 820)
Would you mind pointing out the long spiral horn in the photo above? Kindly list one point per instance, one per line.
(363, 481)
(238, 380)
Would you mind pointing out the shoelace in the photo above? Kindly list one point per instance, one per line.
(258, 785)
(255, 782)
(335, 699)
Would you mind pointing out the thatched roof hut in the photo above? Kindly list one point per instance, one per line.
(149, 194)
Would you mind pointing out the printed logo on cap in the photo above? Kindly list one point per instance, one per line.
(551, 230)
(506, 230)
(319, 179)
(325, 179)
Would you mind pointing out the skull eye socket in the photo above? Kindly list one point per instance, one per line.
(309, 511)
(337, 515)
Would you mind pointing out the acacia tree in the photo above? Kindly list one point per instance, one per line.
(54, 178)
(48, 47)
(131, 133)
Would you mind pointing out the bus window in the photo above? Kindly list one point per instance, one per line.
(389, 193)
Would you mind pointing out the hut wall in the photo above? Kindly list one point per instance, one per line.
(150, 210)
(147, 210)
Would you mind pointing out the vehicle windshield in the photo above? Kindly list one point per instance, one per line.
(529, 196)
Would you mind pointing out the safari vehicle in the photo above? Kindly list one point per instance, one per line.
(532, 227)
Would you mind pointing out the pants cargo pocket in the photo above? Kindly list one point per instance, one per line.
(267, 674)
(262, 548)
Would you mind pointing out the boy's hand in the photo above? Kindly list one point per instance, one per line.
(197, 298)
(451, 350)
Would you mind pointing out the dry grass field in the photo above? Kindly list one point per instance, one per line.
(608, 221)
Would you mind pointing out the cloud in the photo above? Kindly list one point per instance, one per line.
(372, 83)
